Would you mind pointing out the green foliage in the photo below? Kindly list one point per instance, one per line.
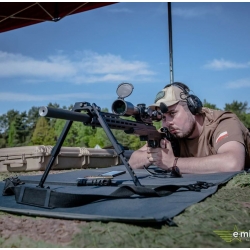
(75, 136)
(43, 133)
(6, 119)
(99, 137)
(53, 105)
(19, 129)
(52, 121)
(158, 125)
(32, 118)
(3, 123)
(240, 109)
(236, 107)
(209, 105)
(2, 141)
(4, 127)
(11, 115)
(12, 135)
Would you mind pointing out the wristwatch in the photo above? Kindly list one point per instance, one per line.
(175, 171)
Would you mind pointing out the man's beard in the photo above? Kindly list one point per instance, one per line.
(189, 132)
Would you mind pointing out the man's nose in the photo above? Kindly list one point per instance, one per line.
(168, 123)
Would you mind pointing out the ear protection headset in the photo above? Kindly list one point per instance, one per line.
(193, 102)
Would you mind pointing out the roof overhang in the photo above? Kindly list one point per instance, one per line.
(14, 15)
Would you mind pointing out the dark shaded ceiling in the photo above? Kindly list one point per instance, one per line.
(14, 15)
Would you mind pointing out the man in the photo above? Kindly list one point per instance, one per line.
(209, 140)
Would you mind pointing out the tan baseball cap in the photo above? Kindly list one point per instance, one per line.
(170, 96)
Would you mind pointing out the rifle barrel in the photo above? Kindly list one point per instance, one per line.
(63, 114)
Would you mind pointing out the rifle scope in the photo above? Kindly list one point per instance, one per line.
(140, 112)
(121, 107)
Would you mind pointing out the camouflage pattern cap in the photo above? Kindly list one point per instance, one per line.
(169, 96)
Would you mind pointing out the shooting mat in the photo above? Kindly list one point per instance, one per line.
(131, 210)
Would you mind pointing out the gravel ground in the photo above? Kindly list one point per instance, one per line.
(227, 208)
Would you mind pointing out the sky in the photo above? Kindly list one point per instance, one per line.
(84, 57)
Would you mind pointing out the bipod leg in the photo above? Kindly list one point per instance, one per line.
(118, 148)
(56, 149)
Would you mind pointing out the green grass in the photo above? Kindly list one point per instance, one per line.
(227, 208)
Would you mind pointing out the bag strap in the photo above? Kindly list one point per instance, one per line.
(48, 198)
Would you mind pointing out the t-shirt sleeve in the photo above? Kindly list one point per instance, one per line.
(227, 130)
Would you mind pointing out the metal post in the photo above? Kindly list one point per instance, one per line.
(170, 43)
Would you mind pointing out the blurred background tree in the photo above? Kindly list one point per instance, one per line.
(21, 129)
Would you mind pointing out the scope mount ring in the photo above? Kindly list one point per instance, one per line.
(124, 90)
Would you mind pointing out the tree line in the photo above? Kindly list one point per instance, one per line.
(28, 128)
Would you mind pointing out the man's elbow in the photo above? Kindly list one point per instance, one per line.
(232, 154)
(235, 164)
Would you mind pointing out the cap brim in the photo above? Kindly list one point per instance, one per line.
(171, 103)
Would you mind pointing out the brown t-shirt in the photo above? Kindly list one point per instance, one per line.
(219, 127)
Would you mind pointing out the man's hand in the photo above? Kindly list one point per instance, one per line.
(162, 157)
(139, 158)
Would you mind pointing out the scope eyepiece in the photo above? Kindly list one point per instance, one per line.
(155, 115)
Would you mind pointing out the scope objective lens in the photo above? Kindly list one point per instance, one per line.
(119, 107)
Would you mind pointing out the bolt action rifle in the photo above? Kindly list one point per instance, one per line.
(93, 116)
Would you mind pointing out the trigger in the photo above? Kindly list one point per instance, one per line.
(152, 143)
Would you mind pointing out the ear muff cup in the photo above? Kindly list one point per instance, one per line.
(194, 104)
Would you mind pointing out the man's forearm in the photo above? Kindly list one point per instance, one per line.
(210, 164)
(230, 157)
